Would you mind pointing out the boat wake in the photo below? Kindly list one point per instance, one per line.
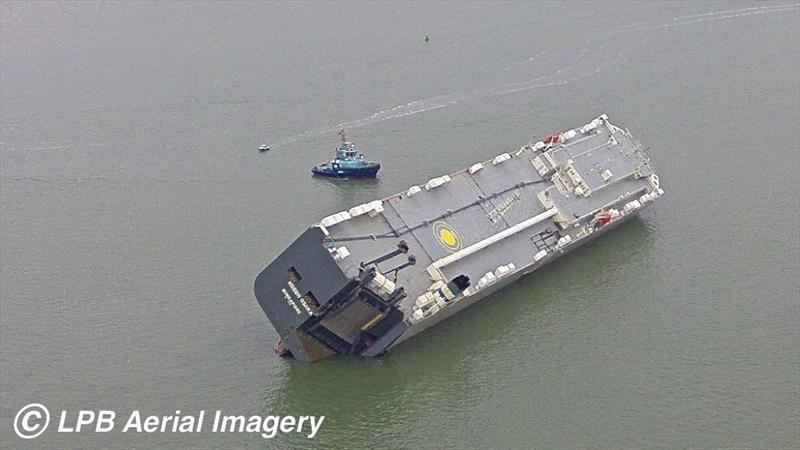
(415, 107)
(582, 66)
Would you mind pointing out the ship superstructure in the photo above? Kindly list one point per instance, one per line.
(363, 280)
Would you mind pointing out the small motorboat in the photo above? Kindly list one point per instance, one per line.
(263, 148)
(347, 164)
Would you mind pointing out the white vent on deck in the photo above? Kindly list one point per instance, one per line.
(591, 126)
(336, 218)
(370, 208)
(475, 167)
(487, 279)
(500, 158)
(358, 210)
(377, 208)
(502, 271)
(631, 206)
(567, 135)
(654, 181)
(436, 182)
(341, 253)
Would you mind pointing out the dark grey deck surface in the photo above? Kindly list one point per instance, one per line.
(477, 206)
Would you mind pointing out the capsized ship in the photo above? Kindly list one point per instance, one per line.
(364, 280)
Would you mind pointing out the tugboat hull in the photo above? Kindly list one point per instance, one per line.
(370, 171)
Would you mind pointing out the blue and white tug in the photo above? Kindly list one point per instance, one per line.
(348, 163)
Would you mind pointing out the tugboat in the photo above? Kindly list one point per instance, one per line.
(348, 163)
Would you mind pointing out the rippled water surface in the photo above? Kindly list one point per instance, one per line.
(135, 213)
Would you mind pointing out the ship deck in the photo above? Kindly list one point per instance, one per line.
(472, 206)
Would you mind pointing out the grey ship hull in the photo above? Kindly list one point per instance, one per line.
(365, 280)
(414, 330)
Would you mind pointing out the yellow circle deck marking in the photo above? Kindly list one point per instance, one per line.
(446, 236)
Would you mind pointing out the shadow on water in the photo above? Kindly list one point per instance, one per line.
(438, 371)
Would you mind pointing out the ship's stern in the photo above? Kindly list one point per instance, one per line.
(318, 311)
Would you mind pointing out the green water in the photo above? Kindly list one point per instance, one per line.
(135, 213)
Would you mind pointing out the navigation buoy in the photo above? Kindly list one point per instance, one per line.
(427, 38)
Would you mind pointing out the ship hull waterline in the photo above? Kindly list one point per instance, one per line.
(438, 318)
(370, 172)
